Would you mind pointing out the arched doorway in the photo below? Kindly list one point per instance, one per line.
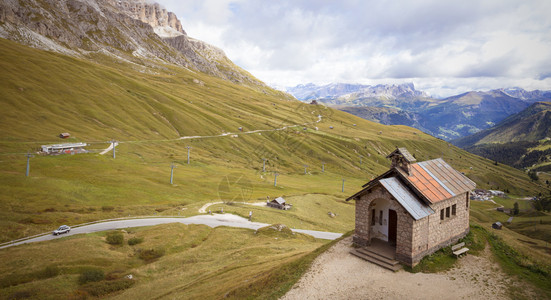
(383, 228)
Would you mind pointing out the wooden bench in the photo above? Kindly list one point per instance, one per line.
(459, 249)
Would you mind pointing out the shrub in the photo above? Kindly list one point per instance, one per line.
(107, 208)
(15, 279)
(48, 272)
(149, 255)
(134, 241)
(24, 294)
(117, 274)
(91, 275)
(115, 238)
(106, 287)
(34, 220)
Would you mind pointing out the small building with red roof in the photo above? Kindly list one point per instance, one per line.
(412, 210)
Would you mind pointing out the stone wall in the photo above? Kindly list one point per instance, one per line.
(364, 234)
(362, 219)
(431, 234)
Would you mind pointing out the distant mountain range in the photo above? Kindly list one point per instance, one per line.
(450, 118)
(341, 93)
(522, 140)
(532, 124)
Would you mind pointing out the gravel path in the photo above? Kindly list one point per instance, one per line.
(203, 208)
(337, 274)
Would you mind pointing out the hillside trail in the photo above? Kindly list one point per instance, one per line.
(109, 148)
(203, 208)
(337, 274)
(231, 134)
(248, 132)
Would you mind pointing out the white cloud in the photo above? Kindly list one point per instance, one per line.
(442, 46)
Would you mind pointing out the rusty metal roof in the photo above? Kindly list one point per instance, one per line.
(437, 180)
(432, 180)
(415, 207)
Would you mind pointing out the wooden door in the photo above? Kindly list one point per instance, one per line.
(392, 226)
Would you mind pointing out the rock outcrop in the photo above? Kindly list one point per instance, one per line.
(137, 31)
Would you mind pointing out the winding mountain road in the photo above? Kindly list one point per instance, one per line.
(214, 220)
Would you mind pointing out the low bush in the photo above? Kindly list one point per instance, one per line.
(16, 279)
(102, 288)
(113, 275)
(24, 294)
(91, 275)
(115, 238)
(107, 208)
(134, 241)
(48, 272)
(149, 255)
(34, 220)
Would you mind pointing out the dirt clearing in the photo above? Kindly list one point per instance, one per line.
(337, 274)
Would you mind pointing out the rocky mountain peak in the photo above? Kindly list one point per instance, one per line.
(136, 31)
(165, 23)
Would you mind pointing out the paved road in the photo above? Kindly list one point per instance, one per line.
(209, 220)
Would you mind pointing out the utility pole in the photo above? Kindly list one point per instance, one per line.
(305, 167)
(113, 143)
(264, 165)
(188, 148)
(361, 159)
(342, 185)
(28, 163)
(172, 166)
(323, 167)
(275, 179)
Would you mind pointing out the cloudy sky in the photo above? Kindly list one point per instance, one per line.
(443, 47)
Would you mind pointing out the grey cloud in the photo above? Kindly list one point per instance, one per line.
(368, 39)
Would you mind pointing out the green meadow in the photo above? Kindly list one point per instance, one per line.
(154, 113)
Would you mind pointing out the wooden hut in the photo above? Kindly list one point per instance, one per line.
(279, 203)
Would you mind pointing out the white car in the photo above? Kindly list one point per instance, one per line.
(62, 229)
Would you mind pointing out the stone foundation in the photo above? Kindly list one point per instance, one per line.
(359, 241)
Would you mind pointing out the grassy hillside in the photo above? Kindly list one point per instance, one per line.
(187, 262)
(530, 125)
(148, 110)
(521, 140)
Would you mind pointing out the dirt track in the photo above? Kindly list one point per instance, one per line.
(337, 274)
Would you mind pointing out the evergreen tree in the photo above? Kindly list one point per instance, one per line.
(515, 209)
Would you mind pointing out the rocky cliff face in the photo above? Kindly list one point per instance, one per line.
(141, 32)
(165, 23)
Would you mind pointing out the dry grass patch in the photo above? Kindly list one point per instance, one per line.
(197, 261)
